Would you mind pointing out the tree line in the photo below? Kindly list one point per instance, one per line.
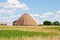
(51, 23)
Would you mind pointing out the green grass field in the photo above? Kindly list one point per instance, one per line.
(19, 33)
(29, 31)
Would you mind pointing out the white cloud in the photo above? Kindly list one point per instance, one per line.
(14, 4)
(10, 6)
(0, 15)
(2, 10)
(57, 15)
(13, 1)
(8, 11)
(46, 14)
(11, 11)
(58, 12)
(13, 16)
(35, 15)
(24, 6)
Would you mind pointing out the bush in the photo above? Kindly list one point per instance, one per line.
(47, 23)
(56, 23)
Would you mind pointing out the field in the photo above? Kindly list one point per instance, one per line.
(29, 32)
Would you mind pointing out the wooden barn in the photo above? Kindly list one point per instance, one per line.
(25, 20)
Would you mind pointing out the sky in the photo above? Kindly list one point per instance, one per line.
(39, 10)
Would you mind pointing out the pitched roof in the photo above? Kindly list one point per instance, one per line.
(25, 19)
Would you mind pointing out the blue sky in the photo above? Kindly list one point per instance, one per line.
(40, 10)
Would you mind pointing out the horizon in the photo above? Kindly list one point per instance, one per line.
(40, 10)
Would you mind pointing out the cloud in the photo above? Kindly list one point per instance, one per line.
(46, 14)
(58, 12)
(35, 15)
(10, 6)
(57, 15)
(2, 10)
(14, 4)
(8, 11)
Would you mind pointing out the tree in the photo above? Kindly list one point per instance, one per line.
(56, 23)
(47, 23)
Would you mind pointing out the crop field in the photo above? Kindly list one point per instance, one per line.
(29, 32)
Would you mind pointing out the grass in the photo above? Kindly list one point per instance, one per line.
(20, 33)
(56, 28)
(28, 31)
